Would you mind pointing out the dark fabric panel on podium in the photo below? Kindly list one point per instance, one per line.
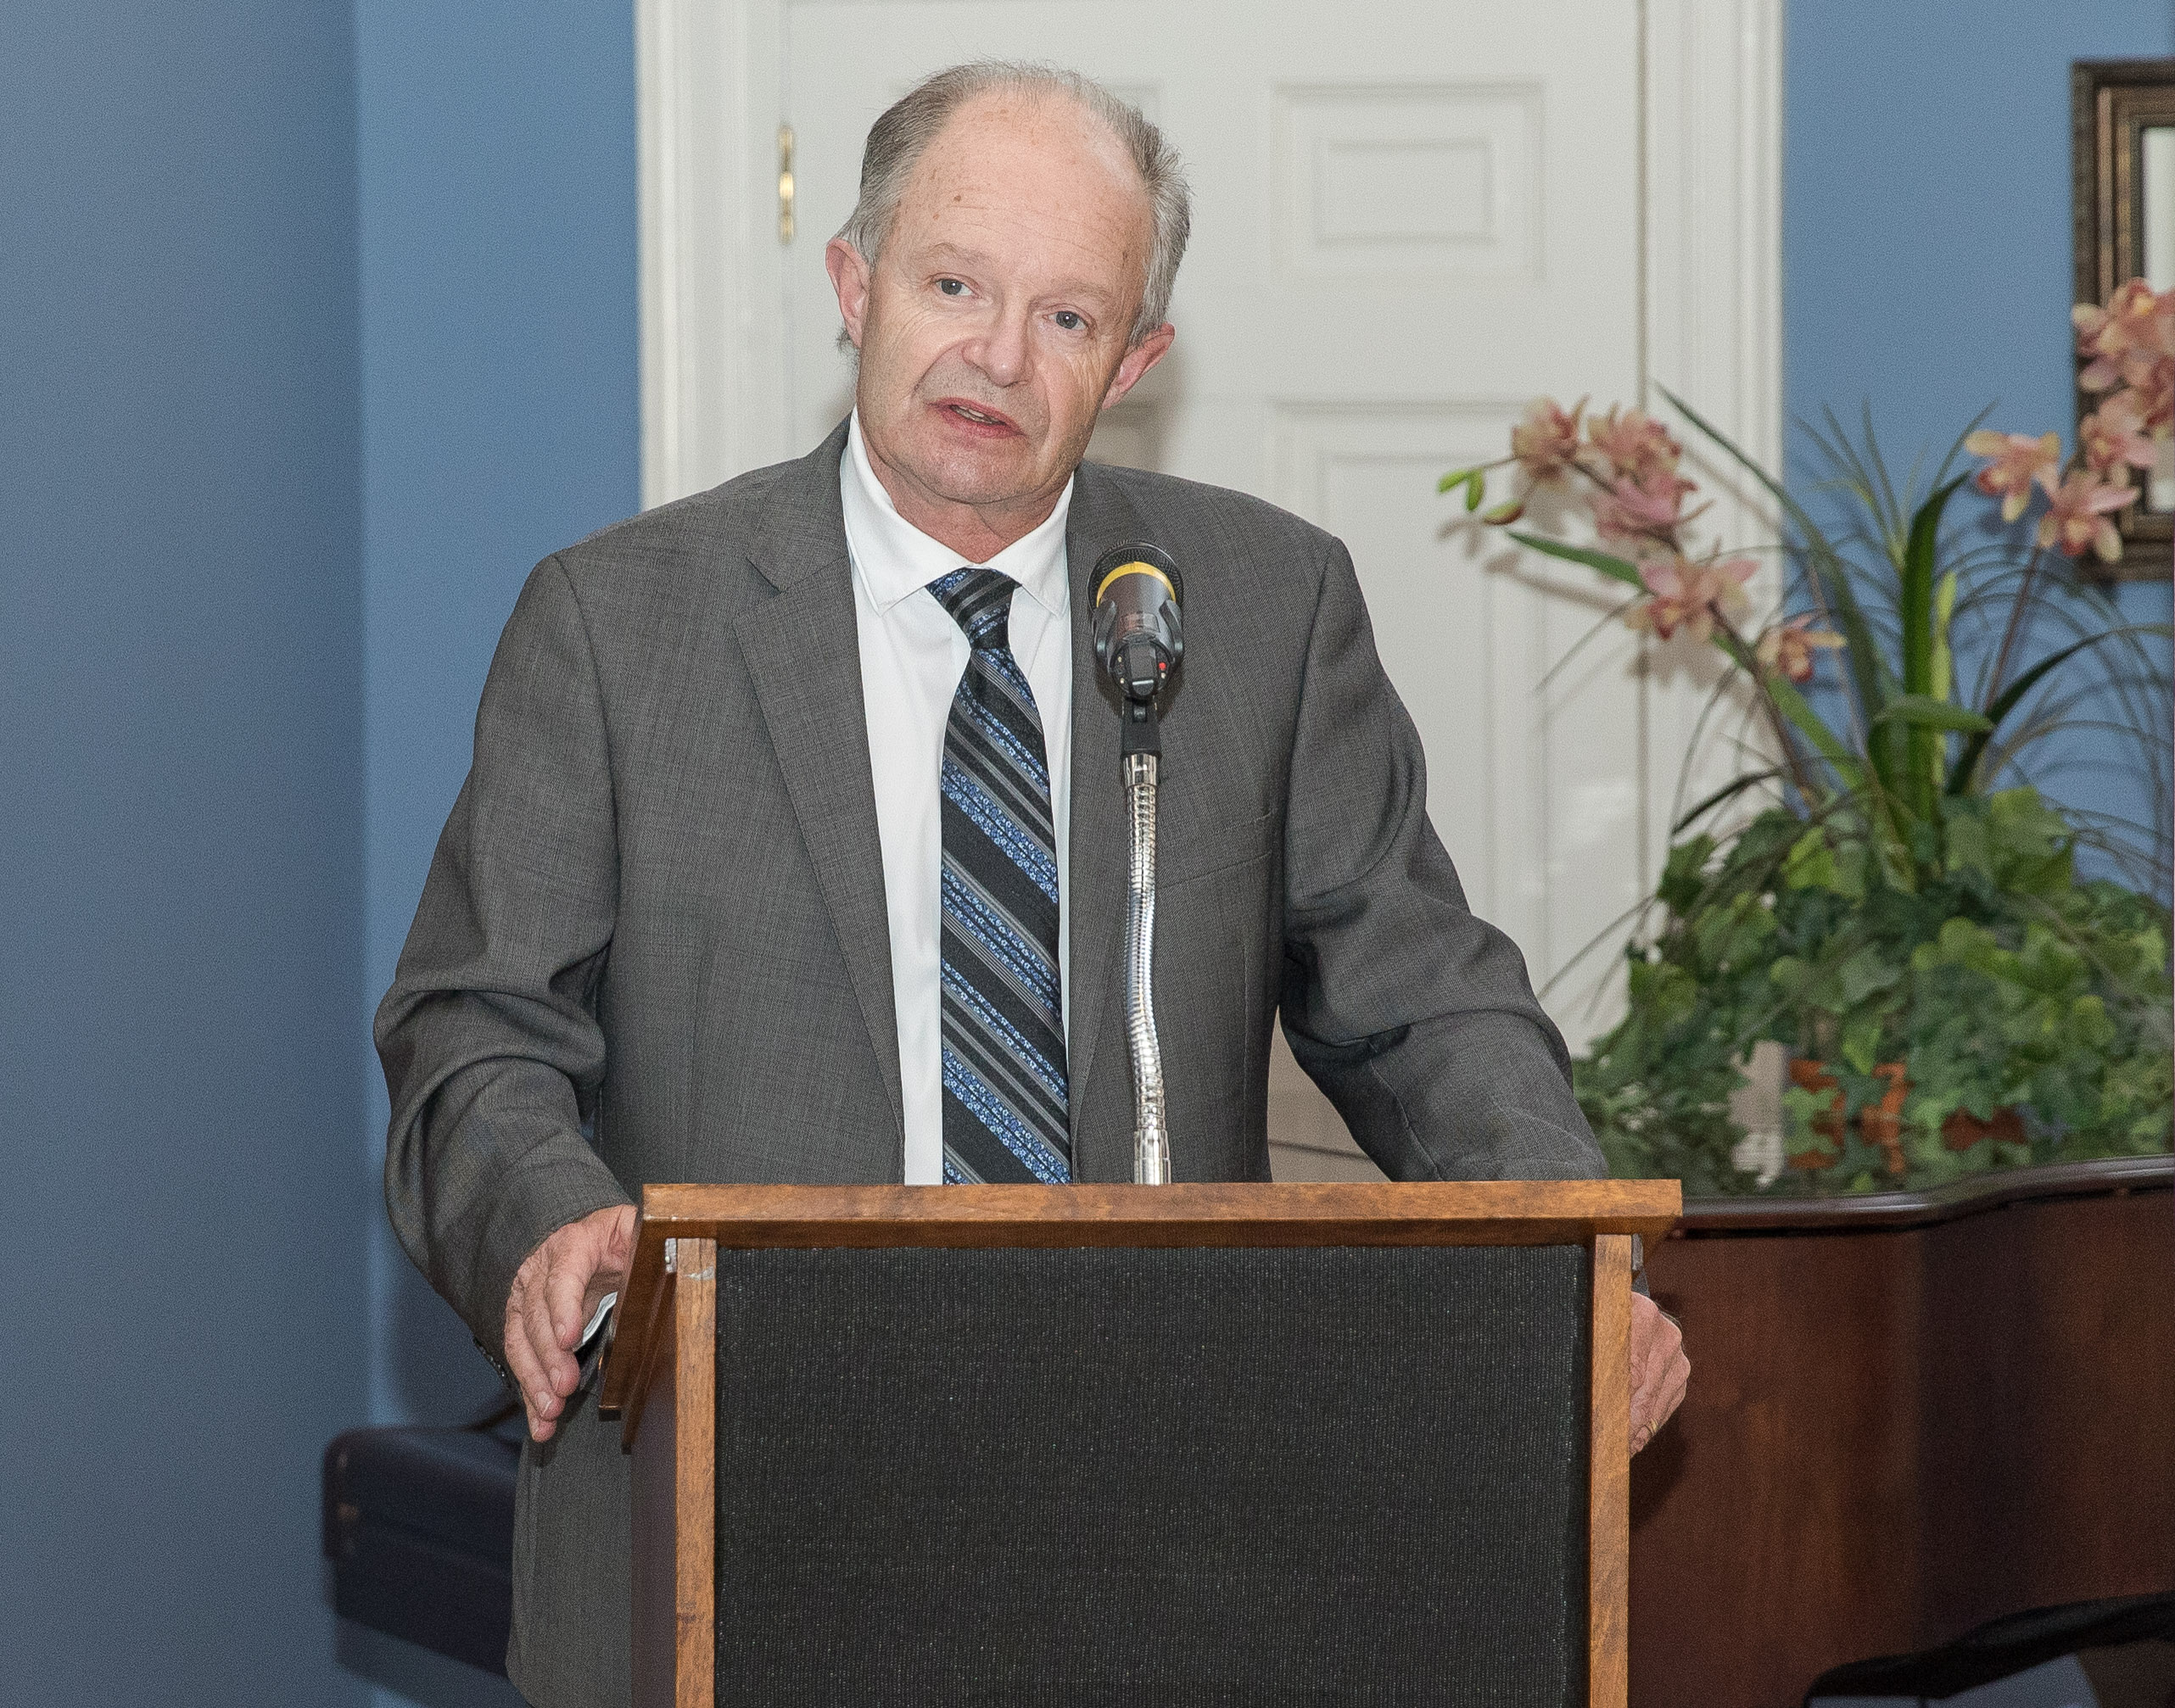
(1080, 1477)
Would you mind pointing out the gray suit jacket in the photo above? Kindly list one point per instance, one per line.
(653, 946)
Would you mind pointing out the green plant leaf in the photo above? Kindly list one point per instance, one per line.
(1728, 791)
(1684, 873)
(1815, 863)
(1960, 774)
(1914, 606)
(1871, 970)
(1861, 1042)
(1457, 477)
(1915, 603)
(1944, 658)
(1964, 834)
(1476, 491)
(1923, 712)
(1620, 568)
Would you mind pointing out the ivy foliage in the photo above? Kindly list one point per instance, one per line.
(1997, 980)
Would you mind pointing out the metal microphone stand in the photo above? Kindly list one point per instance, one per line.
(1141, 752)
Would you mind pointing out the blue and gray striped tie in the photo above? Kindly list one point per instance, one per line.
(1004, 1049)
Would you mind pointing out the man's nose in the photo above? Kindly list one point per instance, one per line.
(1001, 352)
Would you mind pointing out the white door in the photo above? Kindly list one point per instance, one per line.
(1410, 216)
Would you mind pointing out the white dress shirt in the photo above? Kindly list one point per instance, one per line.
(912, 657)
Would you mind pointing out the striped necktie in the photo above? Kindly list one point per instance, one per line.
(1004, 1022)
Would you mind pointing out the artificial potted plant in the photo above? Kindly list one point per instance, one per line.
(1881, 890)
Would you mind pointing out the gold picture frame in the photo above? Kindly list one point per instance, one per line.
(2114, 107)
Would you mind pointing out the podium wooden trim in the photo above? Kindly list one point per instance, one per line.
(661, 1373)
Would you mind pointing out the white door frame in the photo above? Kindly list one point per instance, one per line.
(709, 98)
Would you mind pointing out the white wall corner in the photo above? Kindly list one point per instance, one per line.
(706, 109)
(1713, 329)
(1714, 224)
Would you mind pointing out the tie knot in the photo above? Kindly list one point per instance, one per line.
(980, 601)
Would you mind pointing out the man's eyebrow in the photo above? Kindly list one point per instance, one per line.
(942, 251)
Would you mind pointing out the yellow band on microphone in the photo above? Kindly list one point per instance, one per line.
(1135, 568)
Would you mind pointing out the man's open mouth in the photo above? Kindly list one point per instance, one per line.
(979, 417)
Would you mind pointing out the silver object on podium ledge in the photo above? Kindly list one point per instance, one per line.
(1139, 642)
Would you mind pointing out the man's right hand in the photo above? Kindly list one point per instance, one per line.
(555, 1290)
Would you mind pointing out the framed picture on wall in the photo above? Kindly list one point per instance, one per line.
(2122, 144)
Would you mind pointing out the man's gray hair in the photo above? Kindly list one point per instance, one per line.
(897, 140)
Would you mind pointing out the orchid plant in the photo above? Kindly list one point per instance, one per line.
(1902, 912)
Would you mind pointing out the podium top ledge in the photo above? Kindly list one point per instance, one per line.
(1426, 1213)
(776, 1218)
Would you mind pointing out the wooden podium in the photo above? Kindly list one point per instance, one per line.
(1114, 1444)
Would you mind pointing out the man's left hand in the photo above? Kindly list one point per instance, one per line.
(1659, 1370)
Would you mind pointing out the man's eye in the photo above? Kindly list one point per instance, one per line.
(1070, 322)
(951, 287)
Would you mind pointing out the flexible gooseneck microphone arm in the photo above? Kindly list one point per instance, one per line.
(1139, 642)
(1151, 1136)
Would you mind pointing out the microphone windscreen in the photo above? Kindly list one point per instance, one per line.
(1138, 593)
(1138, 558)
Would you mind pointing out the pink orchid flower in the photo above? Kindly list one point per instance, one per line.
(1788, 647)
(1689, 596)
(1651, 509)
(2014, 463)
(2152, 387)
(2136, 326)
(1546, 442)
(2114, 440)
(2076, 521)
(1636, 445)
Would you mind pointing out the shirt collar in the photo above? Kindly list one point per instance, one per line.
(893, 560)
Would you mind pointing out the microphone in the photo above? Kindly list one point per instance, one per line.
(1138, 639)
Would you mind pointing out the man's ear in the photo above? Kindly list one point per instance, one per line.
(1138, 361)
(849, 277)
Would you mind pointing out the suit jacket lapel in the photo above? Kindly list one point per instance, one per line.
(1100, 517)
(802, 652)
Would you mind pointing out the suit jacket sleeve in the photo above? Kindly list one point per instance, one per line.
(489, 1035)
(1414, 1018)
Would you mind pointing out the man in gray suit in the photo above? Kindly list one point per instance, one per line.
(774, 865)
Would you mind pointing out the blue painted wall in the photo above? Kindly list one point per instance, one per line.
(1926, 231)
(317, 322)
(500, 422)
(180, 871)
